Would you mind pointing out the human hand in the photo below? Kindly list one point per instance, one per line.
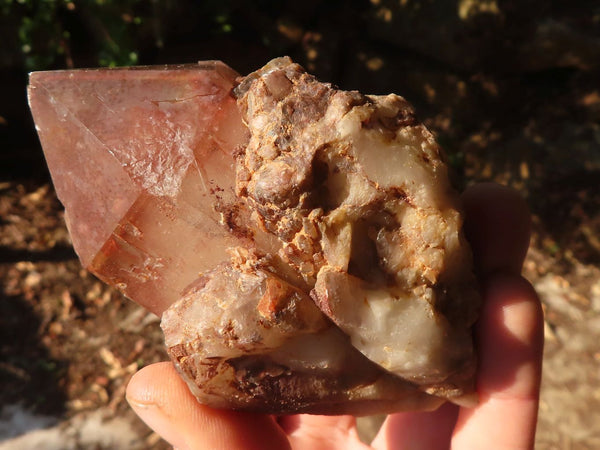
(509, 340)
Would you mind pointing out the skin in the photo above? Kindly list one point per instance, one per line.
(509, 341)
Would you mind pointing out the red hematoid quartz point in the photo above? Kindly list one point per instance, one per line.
(134, 159)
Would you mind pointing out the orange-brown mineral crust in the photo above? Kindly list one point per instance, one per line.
(302, 243)
(357, 193)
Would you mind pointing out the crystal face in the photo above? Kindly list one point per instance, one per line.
(302, 243)
(141, 158)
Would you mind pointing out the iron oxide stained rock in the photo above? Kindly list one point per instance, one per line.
(302, 243)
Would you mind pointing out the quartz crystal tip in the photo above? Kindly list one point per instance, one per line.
(140, 158)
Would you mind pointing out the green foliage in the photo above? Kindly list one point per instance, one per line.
(46, 28)
(37, 28)
(53, 34)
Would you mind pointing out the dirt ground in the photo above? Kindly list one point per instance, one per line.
(69, 343)
(524, 112)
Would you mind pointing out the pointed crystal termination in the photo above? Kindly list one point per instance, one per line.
(142, 160)
(302, 243)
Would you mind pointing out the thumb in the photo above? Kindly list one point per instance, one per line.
(162, 399)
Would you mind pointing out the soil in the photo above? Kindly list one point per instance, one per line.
(69, 344)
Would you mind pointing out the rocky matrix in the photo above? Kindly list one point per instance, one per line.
(303, 242)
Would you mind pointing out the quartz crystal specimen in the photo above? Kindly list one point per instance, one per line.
(302, 243)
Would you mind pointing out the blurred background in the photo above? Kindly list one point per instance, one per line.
(511, 90)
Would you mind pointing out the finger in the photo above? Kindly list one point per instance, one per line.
(510, 344)
(420, 430)
(162, 400)
(497, 226)
(310, 432)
